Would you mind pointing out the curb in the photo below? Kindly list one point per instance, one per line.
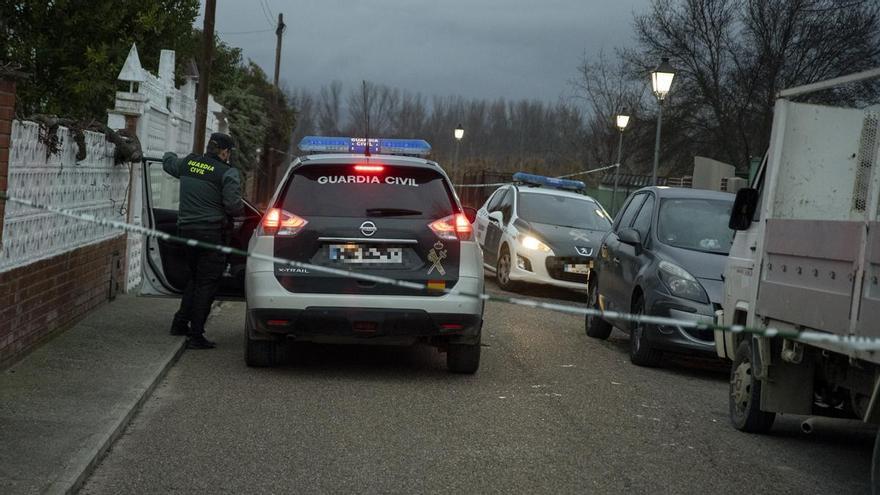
(84, 465)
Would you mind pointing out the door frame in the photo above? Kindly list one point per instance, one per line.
(154, 281)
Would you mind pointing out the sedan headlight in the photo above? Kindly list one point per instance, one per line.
(681, 283)
(534, 244)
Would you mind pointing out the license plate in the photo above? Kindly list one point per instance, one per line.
(360, 254)
(580, 269)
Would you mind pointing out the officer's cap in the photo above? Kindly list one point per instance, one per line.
(222, 141)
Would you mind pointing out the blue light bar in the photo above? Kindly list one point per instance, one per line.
(321, 144)
(540, 180)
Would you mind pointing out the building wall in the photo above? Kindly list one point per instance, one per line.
(709, 173)
(39, 299)
(54, 270)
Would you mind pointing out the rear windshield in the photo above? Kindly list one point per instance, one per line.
(343, 191)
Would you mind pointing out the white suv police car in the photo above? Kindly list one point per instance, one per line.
(541, 230)
(365, 209)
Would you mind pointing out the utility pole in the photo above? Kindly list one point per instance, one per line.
(204, 76)
(270, 161)
(278, 32)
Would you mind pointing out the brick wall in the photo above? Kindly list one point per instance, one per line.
(40, 299)
(7, 109)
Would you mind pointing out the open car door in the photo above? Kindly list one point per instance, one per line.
(164, 264)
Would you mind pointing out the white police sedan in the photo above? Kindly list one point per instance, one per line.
(541, 230)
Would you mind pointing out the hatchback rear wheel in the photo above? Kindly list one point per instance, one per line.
(641, 353)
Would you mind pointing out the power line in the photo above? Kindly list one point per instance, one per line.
(248, 32)
(267, 13)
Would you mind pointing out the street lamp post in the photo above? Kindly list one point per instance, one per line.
(661, 81)
(622, 121)
(458, 133)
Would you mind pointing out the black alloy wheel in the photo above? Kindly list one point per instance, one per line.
(640, 351)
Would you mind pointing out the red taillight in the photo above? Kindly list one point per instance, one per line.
(282, 223)
(453, 227)
(369, 168)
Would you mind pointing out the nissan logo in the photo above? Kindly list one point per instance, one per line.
(368, 228)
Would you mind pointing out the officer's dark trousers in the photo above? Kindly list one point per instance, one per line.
(205, 269)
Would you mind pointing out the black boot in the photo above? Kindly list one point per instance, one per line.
(179, 326)
(179, 329)
(199, 342)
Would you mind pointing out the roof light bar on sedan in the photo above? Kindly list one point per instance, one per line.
(321, 144)
(540, 180)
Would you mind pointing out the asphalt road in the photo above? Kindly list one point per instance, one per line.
(550, 411)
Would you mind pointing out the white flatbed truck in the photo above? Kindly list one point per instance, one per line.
(806, 257)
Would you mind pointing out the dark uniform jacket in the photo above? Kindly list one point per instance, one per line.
(210, 190)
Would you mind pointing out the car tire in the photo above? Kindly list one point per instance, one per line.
(641, 353)
(745, 394)
(262, 353)
(463, 358)
(595, 326)
(502, 270)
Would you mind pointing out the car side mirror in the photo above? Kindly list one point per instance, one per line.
(630, 236)
(743, 210)
(470, 213)
(497, 216)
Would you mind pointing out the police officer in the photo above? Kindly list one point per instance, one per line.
(210, 195)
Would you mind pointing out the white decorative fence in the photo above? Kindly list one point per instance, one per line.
(162, 116)
(95, 185)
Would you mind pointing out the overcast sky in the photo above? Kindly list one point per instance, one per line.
(478, 48)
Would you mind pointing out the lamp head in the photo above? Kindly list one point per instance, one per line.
(661, 79)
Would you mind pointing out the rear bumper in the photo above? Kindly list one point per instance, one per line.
(345, 317)
(334, 324)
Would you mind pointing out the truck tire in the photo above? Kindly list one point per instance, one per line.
(463, 358)
(595, 326)
(745, 394)
(262, 353)
(641, 353)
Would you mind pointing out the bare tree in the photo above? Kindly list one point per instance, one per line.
(733, 57)
(306, 119)
(606, 88)
(329, 114)
(372, 109)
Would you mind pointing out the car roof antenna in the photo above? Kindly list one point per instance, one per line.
(366, 119)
